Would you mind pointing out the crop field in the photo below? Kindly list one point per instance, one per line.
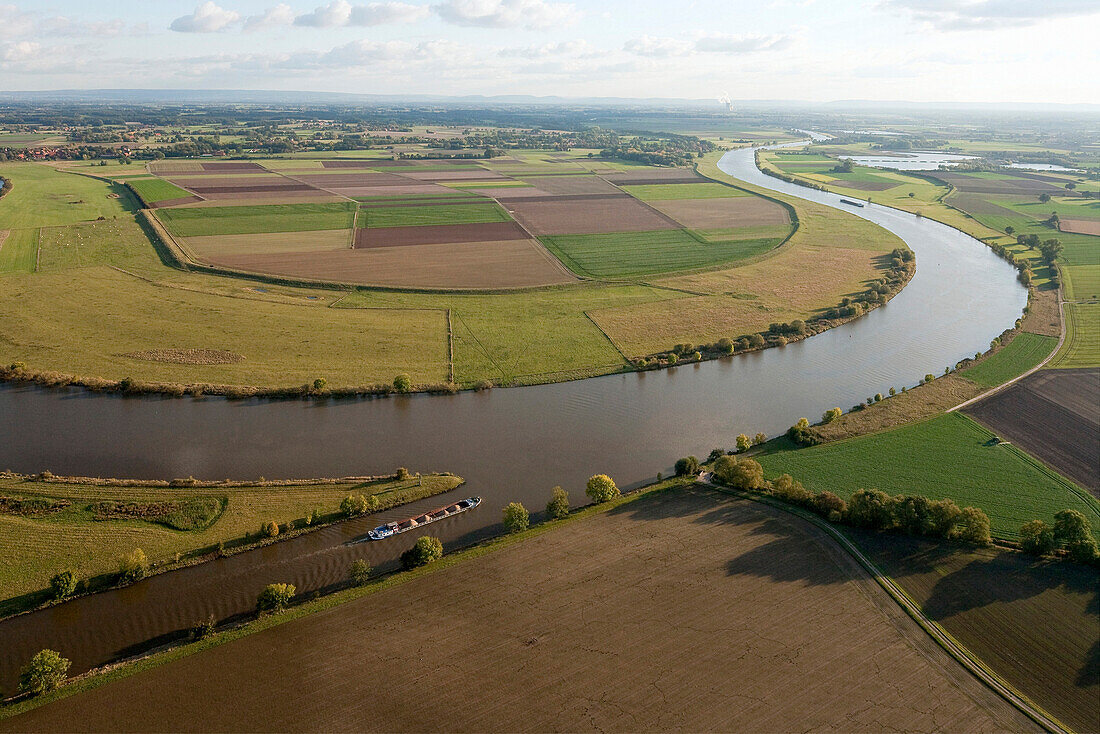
(627, 254)
(742, 211)
(603, 593)
(18, 250)
(657, 192)
(1082, 345)
(1023, 352)
(36, 545)
(949, 456)
(426, 216)
(211, 247)
(257, 219)
(154, 190)
(1082, 281)
(1033, 622)
(1055, 415)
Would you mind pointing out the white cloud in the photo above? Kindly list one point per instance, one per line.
(651, 46)
(207, 18)
(19, 51)
(529, 14)
(384, 13)
(962, 15)
(335, 14)
(731, 44)
(574, 49)
(279, 15)
(14, 22)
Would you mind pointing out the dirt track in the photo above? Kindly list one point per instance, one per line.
(684, 610)
(1055, 415)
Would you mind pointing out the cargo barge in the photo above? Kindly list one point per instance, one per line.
(394, 528)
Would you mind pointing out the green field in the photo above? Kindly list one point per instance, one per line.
(1082, 345)
(948, 456)
(1082, 281)
(36, 547)
(257, 219)
(626, 254)
(1024, 352)
(42, 196)
(152, 190)
(19, 251)
(424, 216)
(659, 192)
(115, 242)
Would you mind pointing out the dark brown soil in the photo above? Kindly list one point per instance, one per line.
(1055, 415)
(231, 166)
(355, 180)
(1034, 622)
(962, 182)
(864, 185)
(253, 188)
(655, 178)
(685, 610)
(437, 235)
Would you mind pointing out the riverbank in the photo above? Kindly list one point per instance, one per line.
(85, 526)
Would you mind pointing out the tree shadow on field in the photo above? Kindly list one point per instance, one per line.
(784, 547)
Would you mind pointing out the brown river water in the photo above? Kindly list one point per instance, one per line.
(510, 444)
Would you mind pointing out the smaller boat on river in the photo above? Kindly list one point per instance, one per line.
(394, 528)
(852, 203)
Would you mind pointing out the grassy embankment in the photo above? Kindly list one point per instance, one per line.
(948, 456)
(91, 319)
(69, 531)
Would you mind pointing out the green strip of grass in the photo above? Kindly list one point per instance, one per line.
(422, 216)
(152, 190)
(1082, 345)
(257, 219)
(947, 456)
(1023, 353)
(659, 192)
(624, 254)
(19, 251)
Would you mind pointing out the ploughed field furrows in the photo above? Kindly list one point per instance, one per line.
(1055, 415)
(1035, 622)
(683, 610)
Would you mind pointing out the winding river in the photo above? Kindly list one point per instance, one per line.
(510, 444)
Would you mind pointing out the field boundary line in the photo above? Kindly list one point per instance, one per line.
(608, 337)
(450, 349)
(942, 637)
(484, 351)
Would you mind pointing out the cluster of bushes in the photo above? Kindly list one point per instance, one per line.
(867, 508)
(426, 550)
(1071, 534)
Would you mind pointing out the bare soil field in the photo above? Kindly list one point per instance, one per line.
(521, 263)
(504, 193)
(191, 182)
(231, 166)
(741, 211)
(1081, 226)
(588, 215)
(315, 196)
(478, 174)
(1043, 316)
(1055, 415)
(269, 243)
(168, 167)
(977, 205)
(286, 186)
(565, 185)
(580, 629)
(413, 189)
(963, 182)
(355, 180)
(438, 234)
(655, 176)
(176, 202)
(1036, 623)
(864, 185)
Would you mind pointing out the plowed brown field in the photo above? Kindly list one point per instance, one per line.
(587, 215)
(684, 610)
(438, 234)
(1081, 226)
(740, 211)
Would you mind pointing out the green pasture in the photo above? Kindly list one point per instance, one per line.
(1082, 344)
(42, 196)
(949, 456)
(1024, 352)
(257, 219)
(152, 190)
(423, 216)
(18, 251)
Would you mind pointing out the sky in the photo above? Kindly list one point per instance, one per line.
(957, 51)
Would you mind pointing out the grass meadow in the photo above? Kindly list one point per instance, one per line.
(1024, 352)
(19, 251)
(948, 456)
(257, 219)
(42, 196)
(423, 216)
(1082, 345)
(152, 190)
(656, 192)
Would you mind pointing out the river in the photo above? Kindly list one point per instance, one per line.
(510, 444)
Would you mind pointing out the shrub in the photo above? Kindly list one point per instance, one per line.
(831, 415)
(1037, 538)
(424, 551)
(913, 514)
(973, 527)
(402, 473)
(743, 442)
(319, 384)
(871, 508)
(402, 383)
(516, 517)
(601, 488)
(44, 673)
(63, 584)
(945, 516)
(1070, 526)
(1083, 551)
(725, 346)
(801, 433)
(274, 598)
(828, 504)
(357, 504)
(270, 529)
(204, 629)
(360, 572)
(743, 474)
(133, 567)
(688, 466)
(558, 506)
(756, 341)
(759, 439)
(788, 489)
